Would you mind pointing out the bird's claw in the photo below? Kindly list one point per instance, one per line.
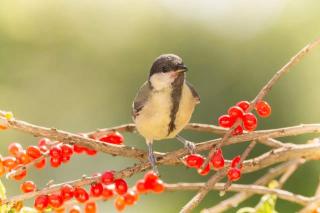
(152, 160)
(191, 147)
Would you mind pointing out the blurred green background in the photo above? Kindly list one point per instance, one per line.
(76, 65)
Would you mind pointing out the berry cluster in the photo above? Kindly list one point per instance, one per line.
(105, 188)
(59, 153)
(234, 172)
(196, 161)
(249, 120)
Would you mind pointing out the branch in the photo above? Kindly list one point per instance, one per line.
(263, 92)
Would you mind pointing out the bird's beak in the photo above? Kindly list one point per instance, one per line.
(182, 68)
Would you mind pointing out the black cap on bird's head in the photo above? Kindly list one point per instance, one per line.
(167, 63)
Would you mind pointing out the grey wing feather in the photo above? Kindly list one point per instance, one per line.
(194, 92)
(140, 99)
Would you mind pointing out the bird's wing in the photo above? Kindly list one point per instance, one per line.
(140, 99)
(194, 92)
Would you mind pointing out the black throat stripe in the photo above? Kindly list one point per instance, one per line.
(175, 99)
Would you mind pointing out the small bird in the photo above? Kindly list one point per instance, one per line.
(164, 104)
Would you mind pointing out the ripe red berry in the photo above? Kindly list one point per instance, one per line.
(96, 189)
(235, 161)
(204, 171)
(66, 192)
(234, 174)
(10, 162)
(55, 200)
(20, 175)
(217, 160)
(141, 187)
(41, 202)
(121, 186)
(90, 152)
(226, 121)
(44, 142)
(263, 109)
(151, 176)
(81, 195)
(107, 177)
(90, 207)
(120, 203)
(28, 186)
(238, 130)
(130, 197)
(114, 138)
(55, 162)
(34, 152)
(41, 164)
(22, 157)
(78, 149)
(75, 209)
(244, 105)
(158, 186)
(66, 150)
(15, 149)
(193, 160)
(249, 121)
(107, 193)
(65, 159)
(55, 151)
(235, 112)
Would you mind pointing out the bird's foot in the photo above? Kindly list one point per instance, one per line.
(153, 160)
(188, 144)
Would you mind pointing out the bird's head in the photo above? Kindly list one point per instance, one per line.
(165, 69)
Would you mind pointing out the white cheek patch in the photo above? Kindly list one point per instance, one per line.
(162, 80)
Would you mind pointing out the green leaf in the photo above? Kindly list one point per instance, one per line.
(3, 208)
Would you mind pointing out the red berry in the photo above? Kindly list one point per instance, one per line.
(20, 175)
(28, 186)
(235, 161)
(55, 151)
(75, 209)
(121, 186)
(263, 109)
(226, 121)
(107, 193)
(249, 121)
(34, 152)
(41, 164)
(66, 150)
(159, 186)
(78, 149)
(130, 197)
(81, 195)
(90, 207)
(141, 187)
(66, 192)
(114, 138)
(238, 130)
(44, 142)
(55, 162)
(235, 112)
(107, 177)
(41, 202)
(55, 200)
(90, 152)
(151, 176)
(15, 149)
(244, 105)
(65, 159)
(9, 162)
(193, 160)
(234, 174)
(96, 189)
(217, 160)
(204, 171)
(120, 203)
(22, 157)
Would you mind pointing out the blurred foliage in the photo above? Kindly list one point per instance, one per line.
(76, 65)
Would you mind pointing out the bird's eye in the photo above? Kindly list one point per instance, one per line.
(165, 69)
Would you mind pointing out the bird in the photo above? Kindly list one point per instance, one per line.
(164, 104)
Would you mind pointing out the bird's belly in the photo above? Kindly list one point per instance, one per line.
(153, 120)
